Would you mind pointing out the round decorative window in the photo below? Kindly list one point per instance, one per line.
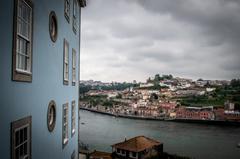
(51, 116)
(53, 27)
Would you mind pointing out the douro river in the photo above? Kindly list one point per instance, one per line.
(193, 140)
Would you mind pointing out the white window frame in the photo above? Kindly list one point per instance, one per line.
(22, 41)
(65, 62)
(26, 39)
(74, 8)
(132, 156)
(123, 152)
(75, 13)
(67, 10)
(119, 151)
(73, 118)
(65, 124)
(21, 141)
(74, 67)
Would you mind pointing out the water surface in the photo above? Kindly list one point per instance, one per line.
(193, 140)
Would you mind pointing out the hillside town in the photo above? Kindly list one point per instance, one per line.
(166, 98)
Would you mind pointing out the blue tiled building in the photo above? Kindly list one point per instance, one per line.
(39, 66)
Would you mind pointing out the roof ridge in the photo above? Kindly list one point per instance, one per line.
(137, 143)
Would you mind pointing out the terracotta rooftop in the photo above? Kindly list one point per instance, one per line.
(100, 154)
(137, 144)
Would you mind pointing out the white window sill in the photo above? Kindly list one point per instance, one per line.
(23, 71)
(73, 131)
(65, 141)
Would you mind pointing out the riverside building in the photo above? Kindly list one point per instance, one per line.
(139, 147)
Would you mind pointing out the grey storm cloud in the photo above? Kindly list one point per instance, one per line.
(132, 39)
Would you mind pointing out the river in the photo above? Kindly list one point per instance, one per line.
(193, 140)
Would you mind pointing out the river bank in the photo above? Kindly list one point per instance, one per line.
(207, 122)
(122, 115)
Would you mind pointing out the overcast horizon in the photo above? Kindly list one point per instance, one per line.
(132, 40)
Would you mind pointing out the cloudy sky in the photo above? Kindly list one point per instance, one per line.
(123, 40)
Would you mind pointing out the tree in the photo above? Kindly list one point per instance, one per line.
(235, 83)
(157, 77)
(167, 77)
(154, 96)
(149, 80)
(84, 88)
(119, 96)
(108, 103)
(156, 81)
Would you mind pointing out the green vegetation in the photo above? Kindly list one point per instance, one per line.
(119, 96)
(159, 78)
(115, 86)
(217, 97)
(155, 87)
(156, 81)
(118, 86)
(100, 100)
(235, 83)
(94, 100)
(231, 92)
(84, 88)
(202, 101)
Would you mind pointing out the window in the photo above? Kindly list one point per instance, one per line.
(51, 116)
(74, 62)
(133, 154)
(53, 28)
(73, 117)
(66, 63)
(65, 125)
(67, 9)
(118, 151)
(75, 6)
(21, 138)
(123, 152)
(22, 45)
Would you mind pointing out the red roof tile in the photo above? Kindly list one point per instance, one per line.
(137, 144)
(100, 154)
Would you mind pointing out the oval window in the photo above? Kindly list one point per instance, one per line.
(53, 28)
(51, 116)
